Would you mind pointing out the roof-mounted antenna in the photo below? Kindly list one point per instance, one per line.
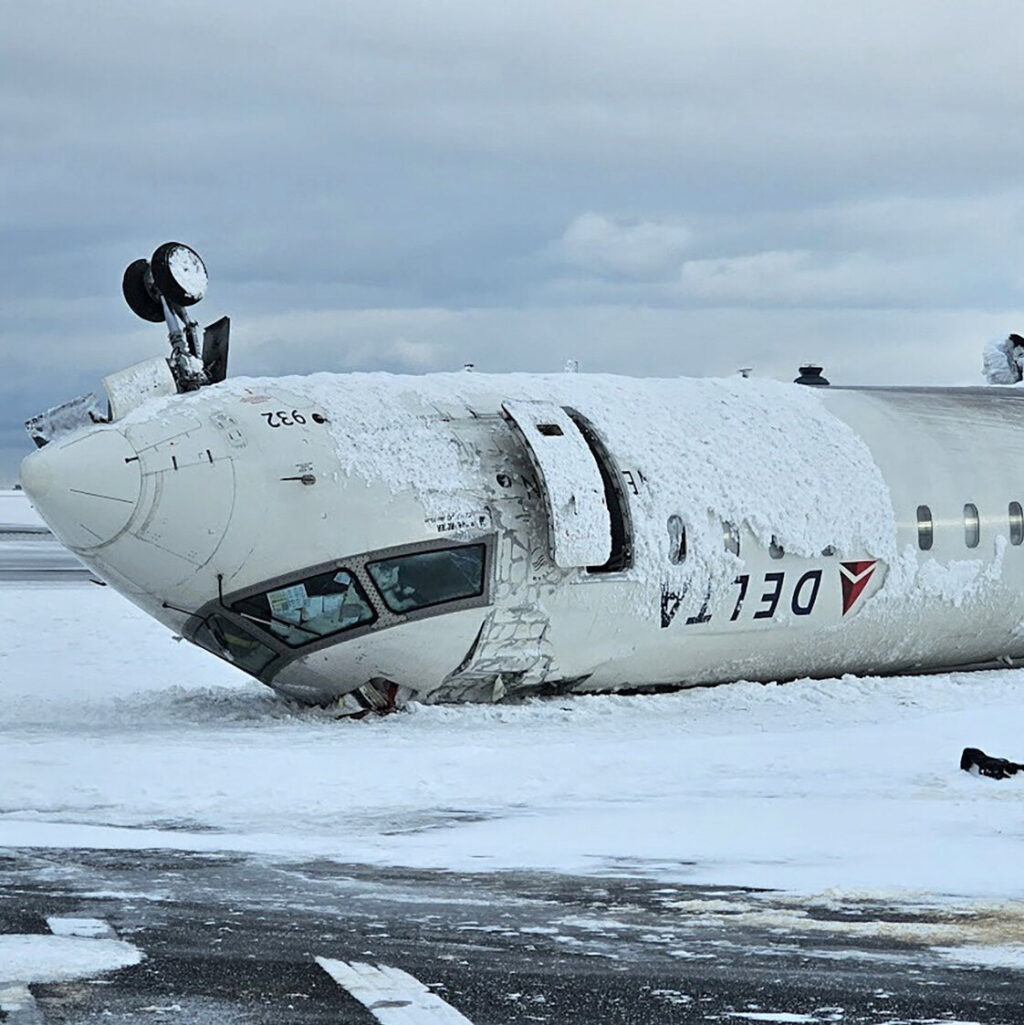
(811, 375)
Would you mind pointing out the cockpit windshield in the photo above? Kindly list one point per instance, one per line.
(308, 609)
(229, 641)
(409, 582)
(371, 592)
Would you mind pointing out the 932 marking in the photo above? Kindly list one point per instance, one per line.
(282, 418)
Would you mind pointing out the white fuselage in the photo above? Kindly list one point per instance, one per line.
(468, 537)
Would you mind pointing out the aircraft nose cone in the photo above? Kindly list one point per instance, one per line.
(85, 487)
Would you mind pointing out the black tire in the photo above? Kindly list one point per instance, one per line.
(138, 297)
(174, 290)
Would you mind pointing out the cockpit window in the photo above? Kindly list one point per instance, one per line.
(309, 609)
(232, 642)
(417, 581)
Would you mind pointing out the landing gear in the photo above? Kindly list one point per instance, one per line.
(140, 293)
(376, 697)
(162, 288)
(179, 273)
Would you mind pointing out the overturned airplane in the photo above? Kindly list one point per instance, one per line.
(374, 538)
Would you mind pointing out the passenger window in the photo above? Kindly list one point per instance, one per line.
(676, 540)
(418, 581)
(925, 530)
(775, 550)
(731, 537)
(316, 607)
(972, 525)
(1016, 523)
(229, 641)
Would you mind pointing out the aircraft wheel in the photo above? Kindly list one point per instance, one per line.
(137, 293)
(179, 273)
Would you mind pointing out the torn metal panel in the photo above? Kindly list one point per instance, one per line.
(83, 411)
(511, 652)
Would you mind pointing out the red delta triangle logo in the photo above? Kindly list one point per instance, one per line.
(855, 577)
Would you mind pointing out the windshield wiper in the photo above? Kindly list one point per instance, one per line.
(283, 622)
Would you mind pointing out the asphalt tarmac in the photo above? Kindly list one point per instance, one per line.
(231, 938)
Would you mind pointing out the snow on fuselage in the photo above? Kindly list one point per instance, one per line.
(468, 536)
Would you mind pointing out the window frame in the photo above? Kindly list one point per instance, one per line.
(731, 537)
(268, 620)
(356, 565)
(925, 528)
(370, 565)
(1015, 515)
(224, 650)
(972, 525)
(676, 527)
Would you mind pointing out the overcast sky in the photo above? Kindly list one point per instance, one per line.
(654, 188)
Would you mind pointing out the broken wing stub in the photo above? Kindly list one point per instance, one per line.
(976, 762)
(1003, 362)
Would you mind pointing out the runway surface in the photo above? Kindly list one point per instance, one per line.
(229, 938)
(31, 553)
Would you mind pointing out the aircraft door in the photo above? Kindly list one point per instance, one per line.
(579, 522)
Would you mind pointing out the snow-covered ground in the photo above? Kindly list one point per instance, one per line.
(112, 734)
(15, 510)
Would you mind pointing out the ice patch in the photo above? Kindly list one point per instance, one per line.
(90, 928)
(672, 996)
(1009, 956)
(31, 959)
(778, 1016)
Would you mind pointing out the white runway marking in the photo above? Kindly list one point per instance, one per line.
(80, 948)
(392, 996)
(18, 1005)
(88, 928)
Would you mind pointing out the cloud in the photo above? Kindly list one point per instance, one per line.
(642, 249)
(400, 341)
(896, 251)
(804, 278)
